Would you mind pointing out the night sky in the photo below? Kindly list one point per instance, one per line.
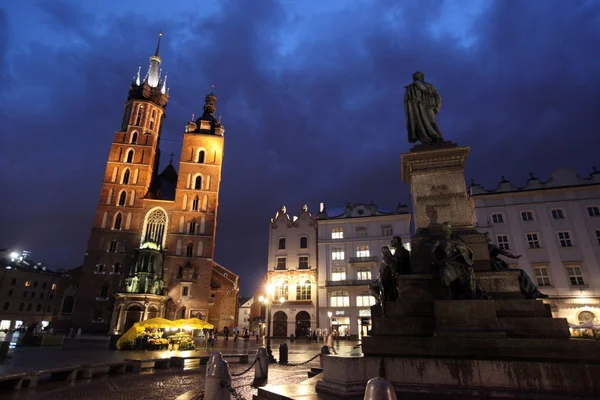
(311, 96)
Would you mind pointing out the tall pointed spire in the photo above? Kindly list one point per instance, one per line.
(153, 77)
(156, 53)
(163, 89)
(137, 77)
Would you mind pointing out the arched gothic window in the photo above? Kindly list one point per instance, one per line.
(118, 221)
(201, 156)
(126, 175)
(134, 138)
(198, 183)
(154, 231)
(129, 157)
(189, 250)
(123, 198)
(192, 230)
(195, 203)
(138, 122)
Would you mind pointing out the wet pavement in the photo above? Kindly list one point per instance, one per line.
(158, 384)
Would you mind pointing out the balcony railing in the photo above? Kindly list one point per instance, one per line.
(353, 260)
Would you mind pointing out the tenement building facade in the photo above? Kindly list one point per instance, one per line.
(30, 293)
(150, 252)
(349, 241)
(554, 226)
(292, 273)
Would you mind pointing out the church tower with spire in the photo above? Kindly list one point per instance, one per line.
(150, 252)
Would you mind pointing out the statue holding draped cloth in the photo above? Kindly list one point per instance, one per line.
(422, 103)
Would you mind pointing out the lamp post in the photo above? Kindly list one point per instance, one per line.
(266, 301)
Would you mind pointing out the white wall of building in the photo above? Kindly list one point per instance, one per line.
(350, 241)
(244, 315)
(555, 226)
(292, 271)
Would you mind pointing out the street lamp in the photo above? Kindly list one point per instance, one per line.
(267, 303)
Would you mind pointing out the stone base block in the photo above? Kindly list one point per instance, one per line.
(466, 318)
(451, 378)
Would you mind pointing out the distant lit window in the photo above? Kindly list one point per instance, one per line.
(363, 274)
(533, 240)
(498, 218)
(339, 299)
(387, 230)
(558, 213)
(304, 242)
(337, 233)
(362, 251)
(338, 274)
(365, 300)
(502, 241)
(27, 283)
(542, 277)
(575, 275)
(303, 262)
(337, 253)
(361, 231)
(303, 291)
(281, 263)
(527, 216)
(564, 238)
(593, 211)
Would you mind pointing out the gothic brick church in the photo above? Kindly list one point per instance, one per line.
(150, 252)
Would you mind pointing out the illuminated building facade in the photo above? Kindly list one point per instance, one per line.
(292, 273)
(350, 240)
(150, 252)
(555, 226)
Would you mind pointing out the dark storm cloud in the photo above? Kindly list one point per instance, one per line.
(311, 102)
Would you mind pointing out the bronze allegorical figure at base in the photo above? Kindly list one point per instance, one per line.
(528, 288)
(454, 258)
(422, 103)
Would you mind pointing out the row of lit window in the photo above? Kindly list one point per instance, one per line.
(303, 243)
(28, 283)
(338, 254)
(38, 308)
(533, 240)
(339, 274)
(556, 213)
(303, 291)
(25, 293)
(574, 273)
(361, 231)
(302, 263)
(342, 299)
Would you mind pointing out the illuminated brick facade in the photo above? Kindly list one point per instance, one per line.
(151, 247)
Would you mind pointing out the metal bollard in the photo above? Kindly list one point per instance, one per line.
(261, 370)
(213, 388)
(379, 389)
(324, 352)
(214, 356)
(283, 354)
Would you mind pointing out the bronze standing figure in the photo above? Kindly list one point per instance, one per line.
(422, 103)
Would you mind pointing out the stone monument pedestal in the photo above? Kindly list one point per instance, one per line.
(504, 348)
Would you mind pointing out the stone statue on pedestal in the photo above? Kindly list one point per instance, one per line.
(528, 288)
(422, 103)
(402, 256)
(454, 258)
(384, 288)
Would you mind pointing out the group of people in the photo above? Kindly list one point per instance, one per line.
(453, 261)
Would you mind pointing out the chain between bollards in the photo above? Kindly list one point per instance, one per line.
(247, 369)
(302, 363)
